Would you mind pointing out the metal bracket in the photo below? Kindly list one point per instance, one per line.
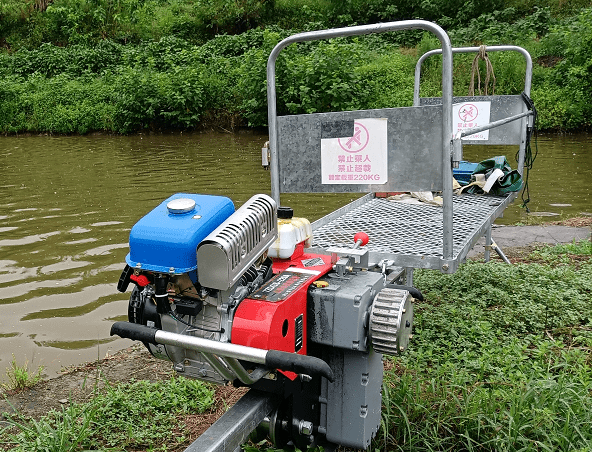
(457, 150)
(265, 155)
(344, 265)
(358, 256)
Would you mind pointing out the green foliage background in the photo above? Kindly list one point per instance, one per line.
(75, 66)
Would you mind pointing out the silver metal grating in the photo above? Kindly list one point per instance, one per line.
(410, 234)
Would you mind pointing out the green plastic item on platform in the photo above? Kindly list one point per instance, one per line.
(511, 180)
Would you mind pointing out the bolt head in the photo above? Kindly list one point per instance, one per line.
(305, 428)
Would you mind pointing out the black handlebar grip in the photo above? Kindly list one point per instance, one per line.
(300, 364)
(134, 331)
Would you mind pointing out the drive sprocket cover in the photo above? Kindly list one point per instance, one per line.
(391, 321)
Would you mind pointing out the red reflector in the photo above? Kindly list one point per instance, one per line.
(140, 280)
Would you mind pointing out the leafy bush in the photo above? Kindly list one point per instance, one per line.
(570, 82)
(499, 360)
(389, 79)
(323, 79)
(175, 74)
(503, 27)
(158, 99)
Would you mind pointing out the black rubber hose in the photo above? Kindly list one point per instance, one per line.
(161, 295)
(134, 332)
(300, 364)
(415, 293)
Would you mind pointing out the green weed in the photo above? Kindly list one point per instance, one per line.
(59, 431)
(141, 414)
(500, 360)
(20, 377)
(133, 416)
(563, 253)
(583, 247)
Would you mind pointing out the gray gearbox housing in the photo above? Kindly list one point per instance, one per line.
(339, 321)
(339, 313)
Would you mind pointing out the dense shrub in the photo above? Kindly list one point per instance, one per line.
(156, 64)
(564, 90)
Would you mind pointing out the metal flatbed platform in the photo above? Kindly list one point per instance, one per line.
(410, 234)
(404, 149)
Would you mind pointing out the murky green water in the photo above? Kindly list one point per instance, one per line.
(67, 205)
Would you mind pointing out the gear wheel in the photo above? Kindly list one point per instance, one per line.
(391, 320)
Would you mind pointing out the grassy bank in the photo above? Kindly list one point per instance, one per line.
(499, 361)
(75, 66)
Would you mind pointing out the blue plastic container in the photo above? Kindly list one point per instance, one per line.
(166, 239)
(463, 173)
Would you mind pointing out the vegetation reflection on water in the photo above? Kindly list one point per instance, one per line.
(68, 204)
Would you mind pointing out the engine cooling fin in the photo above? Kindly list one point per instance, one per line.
(391, 320)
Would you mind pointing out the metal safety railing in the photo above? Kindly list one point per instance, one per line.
(422, 157)
(527, 87)
(446, 103)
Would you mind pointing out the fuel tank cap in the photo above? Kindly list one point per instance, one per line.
(181, 205)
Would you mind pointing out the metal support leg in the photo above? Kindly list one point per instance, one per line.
(499, 251)
(409, 276)
(488, 243)
(235, 426)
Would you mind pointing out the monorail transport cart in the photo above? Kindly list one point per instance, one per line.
(302, 314)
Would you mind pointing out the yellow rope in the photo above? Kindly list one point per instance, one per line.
(482, 55)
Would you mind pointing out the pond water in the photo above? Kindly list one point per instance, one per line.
(68, 204)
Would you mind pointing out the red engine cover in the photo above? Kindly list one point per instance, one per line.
(274, 317)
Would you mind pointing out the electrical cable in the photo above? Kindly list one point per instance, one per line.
(529, 158)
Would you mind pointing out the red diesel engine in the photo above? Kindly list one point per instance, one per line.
(235, 297)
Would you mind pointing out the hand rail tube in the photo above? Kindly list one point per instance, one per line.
(504, 48)
(425, 56)
(493, 125)
(271, 358)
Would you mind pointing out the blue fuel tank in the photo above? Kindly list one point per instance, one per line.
(166, 239)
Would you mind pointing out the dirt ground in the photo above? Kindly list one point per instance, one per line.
(76, 384)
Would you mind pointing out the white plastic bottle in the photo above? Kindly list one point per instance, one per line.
(291, 232)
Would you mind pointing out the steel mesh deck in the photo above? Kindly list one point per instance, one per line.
(410, 234)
